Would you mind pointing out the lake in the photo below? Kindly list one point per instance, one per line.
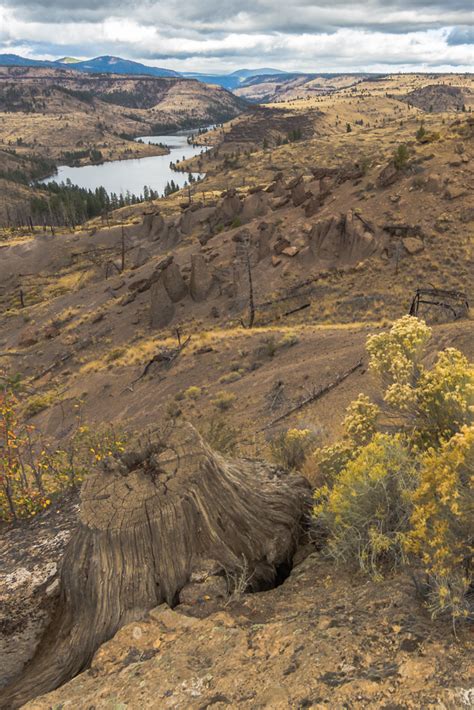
(121, 175)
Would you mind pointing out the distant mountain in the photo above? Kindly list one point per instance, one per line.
(264, 71)
(98, 65)
(14, 60)
(234, 80)
(117, 65)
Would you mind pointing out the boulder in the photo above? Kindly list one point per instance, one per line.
(174, 283)
(254, 205)
(161, 306)
(265, 233)
(153, 225)
(29, 336)
(290, 251)
(230, 207)
(298, 193)
(194, 217)
(141, 257)
(413, 245)
(201, 278)
(389, 175)
(314, 204)
(277, 188)
(280, 244)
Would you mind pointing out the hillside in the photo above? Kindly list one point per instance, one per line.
(54, 116)
(242, 307)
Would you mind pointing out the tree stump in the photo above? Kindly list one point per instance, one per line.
(147, 520)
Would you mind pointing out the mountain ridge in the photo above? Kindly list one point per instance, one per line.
(118, 65)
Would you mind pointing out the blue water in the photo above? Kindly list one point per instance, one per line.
(120, 176)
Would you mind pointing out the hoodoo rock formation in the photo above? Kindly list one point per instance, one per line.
(342, 239)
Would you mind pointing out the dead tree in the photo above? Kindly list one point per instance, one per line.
(454, 302)
(147, 521)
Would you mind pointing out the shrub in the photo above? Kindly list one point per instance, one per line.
(268, 347)
(230, 377)
(359, 428)
(329, 461)
(115, 354)
(386, 499)
(31, 471)
(222, 436)
(421, 132)
(400, 157)
(396, 354)
(288, 340)
(38, 403)
(444, 397)
(367, 510)
(441, 522)
(431, 405)
(193, 392)
(224, 400)
(361, 419)
(290, 448)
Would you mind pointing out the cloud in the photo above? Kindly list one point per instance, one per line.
(461, 35)
(227, 34)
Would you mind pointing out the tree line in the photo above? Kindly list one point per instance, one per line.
(67, 204)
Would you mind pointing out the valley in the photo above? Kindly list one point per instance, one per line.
(50, 117)
(240, 317)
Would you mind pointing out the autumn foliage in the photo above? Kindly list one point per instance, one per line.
(33, 472)
(398, 488)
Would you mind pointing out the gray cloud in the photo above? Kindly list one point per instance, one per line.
(296, 34)
(295, 16)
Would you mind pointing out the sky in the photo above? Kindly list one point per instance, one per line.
(219, 36)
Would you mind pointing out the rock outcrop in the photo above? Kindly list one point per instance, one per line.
(342, 239)
(161, 306)
(201, 278)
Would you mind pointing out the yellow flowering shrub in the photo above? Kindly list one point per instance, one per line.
(442, 522)
(290, 448)
(434, 404)
(396, 355)
(31, 472)
(359, 428)
(361, 420)
(406, 497)
(367, 510)
(445, 396)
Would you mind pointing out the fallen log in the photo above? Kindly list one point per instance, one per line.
(147, 521)
(165, 356)
(316, 394)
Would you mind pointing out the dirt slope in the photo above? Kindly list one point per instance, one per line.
(323, 639)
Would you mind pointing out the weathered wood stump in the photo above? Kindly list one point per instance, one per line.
(147, 521)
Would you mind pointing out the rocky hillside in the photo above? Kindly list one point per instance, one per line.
(35, 90)
(320, 640)
(437, 99)
(241, 306)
